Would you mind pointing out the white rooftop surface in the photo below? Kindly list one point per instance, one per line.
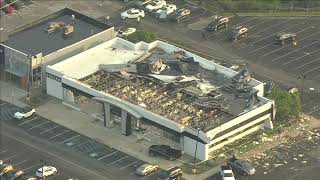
(87, 62)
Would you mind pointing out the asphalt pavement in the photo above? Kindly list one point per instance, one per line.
(36, 136)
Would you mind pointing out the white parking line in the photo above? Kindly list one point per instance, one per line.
(219, 32)
(38, 125)
(285, 46)
(310, 70)
(293, 51)
(275, 34)
(70, 138)
(65, 131)
(28, 121)
(19, 163)
(315, 110)
(118, 160)
(82, 143)
(133, 172)
(25, 170)
(298, 67)
(3, 151)
(49, 129)
(123, 167)
(107, 155)
(295, 59)
(9, 158)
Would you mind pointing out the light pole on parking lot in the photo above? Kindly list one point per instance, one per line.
(302, 77)
(195, 152)
(43, 163)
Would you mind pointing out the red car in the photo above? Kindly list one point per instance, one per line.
(8, 9)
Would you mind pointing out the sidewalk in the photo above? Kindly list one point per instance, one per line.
(93, 128)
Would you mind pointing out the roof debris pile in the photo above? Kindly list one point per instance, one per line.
(177, 87)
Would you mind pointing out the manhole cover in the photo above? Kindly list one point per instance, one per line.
(69, 143)
(93, 155)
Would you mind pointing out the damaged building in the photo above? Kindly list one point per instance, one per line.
(162, 89)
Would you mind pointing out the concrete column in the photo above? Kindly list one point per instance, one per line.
(268, 124)
(107, 116)
(124, 116)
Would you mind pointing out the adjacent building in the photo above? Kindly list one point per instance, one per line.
(46, 41)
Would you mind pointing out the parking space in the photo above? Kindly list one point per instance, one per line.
(260, 45)
(62, 136)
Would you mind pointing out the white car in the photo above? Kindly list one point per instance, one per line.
(47, 171)
(126, 32)
(132, 14)
(146, 169)
(168, 9)
(26, 112)
(155, 5)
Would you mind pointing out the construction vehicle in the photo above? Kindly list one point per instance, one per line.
(283, 38)
(55, 26)
(239, 32)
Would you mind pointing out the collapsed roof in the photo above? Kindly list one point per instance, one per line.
(178, 88)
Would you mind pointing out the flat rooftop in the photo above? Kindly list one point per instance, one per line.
(176, 87)
(33, 38)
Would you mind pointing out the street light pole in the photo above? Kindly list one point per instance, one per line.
(43, 162)
(195, 153)
(302, 77)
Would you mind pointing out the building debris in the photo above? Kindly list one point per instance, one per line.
(177, 87)
(55, 26)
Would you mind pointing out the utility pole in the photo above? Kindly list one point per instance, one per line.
(195, 152)
(28, 72)
(302, 77)
(43, 163)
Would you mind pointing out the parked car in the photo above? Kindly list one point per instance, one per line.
(180, 14)
(132, 14)
(47, 171)
(218, 23)
(5, 168)
(165, 151)
(26, 112)
(8, 9)
(283, 37)
(146, 169)
(240, 32)
(168, 9)
(241, 166)
(173, 173)
(126, 32)
(142, 3)
(226, 173)
(155, 5)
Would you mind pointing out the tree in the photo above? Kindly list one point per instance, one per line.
(288, 105)
(142, 36)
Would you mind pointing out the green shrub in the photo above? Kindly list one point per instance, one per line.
(142, 36)
(288, 105)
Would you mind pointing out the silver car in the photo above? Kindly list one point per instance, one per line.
(146, 169)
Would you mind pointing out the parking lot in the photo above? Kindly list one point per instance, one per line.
(260, 45)
(61, 136)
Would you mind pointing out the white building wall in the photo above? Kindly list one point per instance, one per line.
(239, 119)
(54, 88)
(189, 146)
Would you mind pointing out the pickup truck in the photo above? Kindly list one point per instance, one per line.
(226, 173)
(165, 151)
